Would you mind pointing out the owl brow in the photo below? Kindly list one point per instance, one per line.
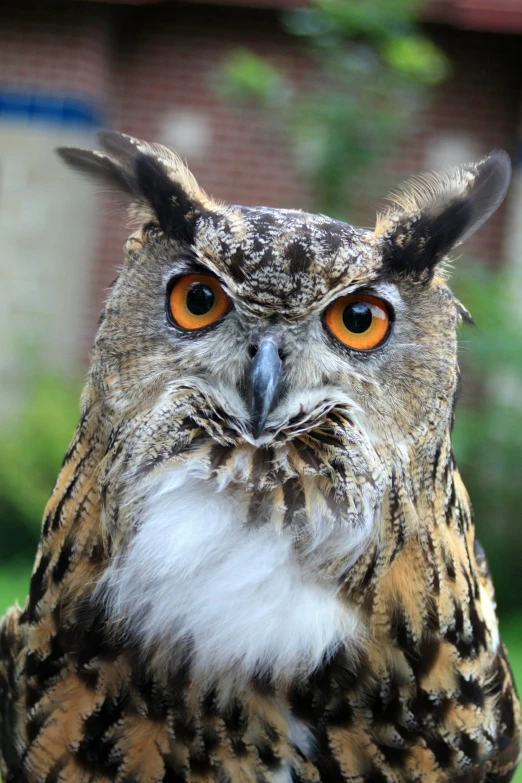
(188, 266)
(388, 291)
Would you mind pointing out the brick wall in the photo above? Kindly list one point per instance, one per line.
(150, 71)
(56, 47)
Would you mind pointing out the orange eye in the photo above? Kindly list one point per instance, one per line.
(359, 321)
(197, 301)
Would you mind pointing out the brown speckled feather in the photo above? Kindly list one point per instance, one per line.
(420, 689)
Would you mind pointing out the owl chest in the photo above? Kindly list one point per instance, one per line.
(202, 579)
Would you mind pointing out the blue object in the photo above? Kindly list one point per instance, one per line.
(33, 106)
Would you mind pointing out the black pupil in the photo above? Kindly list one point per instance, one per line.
(200, 299)
(357, 317)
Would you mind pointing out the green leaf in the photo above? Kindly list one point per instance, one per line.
(247, 76)
(417, 58)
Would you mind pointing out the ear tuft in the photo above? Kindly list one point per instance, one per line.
(433, 213)
(152, 177)
(97, 165)
(175, 210)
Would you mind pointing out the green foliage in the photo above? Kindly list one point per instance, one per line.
(416, 58)
(373, 68)
(14, 584)
(32, 448)
(387, 30)
(246, 76)
(333, 21)
(511, 631)
(488, 429)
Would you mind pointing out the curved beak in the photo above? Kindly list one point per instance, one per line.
(265, 377)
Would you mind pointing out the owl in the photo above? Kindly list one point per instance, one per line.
(258, 563)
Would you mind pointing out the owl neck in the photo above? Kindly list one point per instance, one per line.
(410, 583)
(73, 550)
(424, 518)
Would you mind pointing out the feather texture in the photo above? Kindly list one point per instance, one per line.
(306, 605)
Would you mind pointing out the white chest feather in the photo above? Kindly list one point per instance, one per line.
(195, 577)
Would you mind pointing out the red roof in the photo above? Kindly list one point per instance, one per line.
(273, 4)
(492, 15)
(502, 16)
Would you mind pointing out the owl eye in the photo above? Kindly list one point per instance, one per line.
(359, 321)
(196, 301)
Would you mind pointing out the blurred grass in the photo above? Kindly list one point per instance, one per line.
(511, 631)
(14, 584)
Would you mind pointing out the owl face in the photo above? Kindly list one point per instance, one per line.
(278, 317)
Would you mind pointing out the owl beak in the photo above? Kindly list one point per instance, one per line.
(265, 375)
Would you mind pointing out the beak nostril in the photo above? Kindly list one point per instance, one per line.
(252, 350)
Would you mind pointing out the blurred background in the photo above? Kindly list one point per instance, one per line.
(323, 106)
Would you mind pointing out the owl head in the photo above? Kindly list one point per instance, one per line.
(278, 317)
(262, 380)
